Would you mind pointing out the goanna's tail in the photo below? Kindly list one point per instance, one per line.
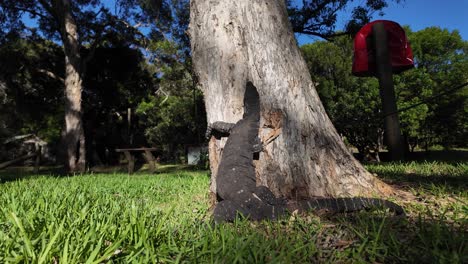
(343, 205)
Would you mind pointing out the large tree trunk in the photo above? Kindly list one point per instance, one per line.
(74, 139)
(236, 41)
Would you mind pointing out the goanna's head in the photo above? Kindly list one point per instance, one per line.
(251, 99)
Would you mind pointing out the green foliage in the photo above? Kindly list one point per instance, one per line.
(25, 68)
(413, 87)
(118, 78)
(175, 116)
(173, 120)
(165, 218)
(172, 123)
(352, 103)
(115, 75)
(444, 56)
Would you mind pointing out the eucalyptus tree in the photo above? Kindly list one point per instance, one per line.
(236, 41)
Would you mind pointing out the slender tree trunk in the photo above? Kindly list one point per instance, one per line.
(74, 140)
(236, 41)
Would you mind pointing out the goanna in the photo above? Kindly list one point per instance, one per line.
(236, 187)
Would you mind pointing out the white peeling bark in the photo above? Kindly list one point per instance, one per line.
(236, 41)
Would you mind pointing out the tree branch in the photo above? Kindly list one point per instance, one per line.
(310, 12)
(51, 75)
(327, 37)
(160, 90)
(48, 8)
(136, 26)
(32, 12)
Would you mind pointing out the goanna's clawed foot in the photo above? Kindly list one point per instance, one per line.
(227, 211)
(254, 209)
(218, 129)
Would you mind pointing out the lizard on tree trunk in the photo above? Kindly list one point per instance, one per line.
(236, 187)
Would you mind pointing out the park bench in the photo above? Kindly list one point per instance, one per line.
(130, 156)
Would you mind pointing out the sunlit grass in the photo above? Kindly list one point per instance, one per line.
(165, 218)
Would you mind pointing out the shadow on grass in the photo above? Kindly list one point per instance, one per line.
(414, 239)
(27, 172)
(414, 180)
(447, 156)
(364, 237)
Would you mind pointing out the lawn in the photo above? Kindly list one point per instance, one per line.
(160, 218)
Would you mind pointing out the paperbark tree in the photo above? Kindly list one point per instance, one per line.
(236, 41)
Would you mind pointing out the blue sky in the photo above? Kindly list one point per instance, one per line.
(419, 14)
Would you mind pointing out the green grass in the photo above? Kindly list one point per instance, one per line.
(163, 218)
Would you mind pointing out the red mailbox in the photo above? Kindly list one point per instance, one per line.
(401, 56)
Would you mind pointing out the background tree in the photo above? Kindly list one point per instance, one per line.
(118, 79)
(443, 55)
(174, 115)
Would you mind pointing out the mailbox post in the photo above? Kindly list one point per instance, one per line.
(387, 92)
(381, 49)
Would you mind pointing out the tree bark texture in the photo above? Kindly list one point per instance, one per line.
(236, 41)
(74, 139)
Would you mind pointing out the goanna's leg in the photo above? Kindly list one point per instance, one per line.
(218, 127)
(267, 196)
